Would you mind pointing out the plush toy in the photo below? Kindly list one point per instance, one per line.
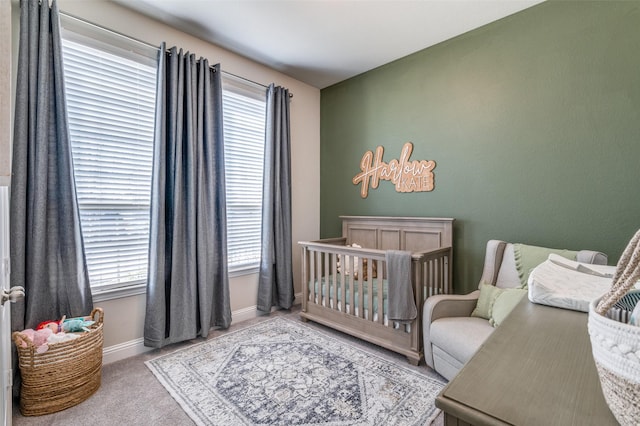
(347, 266)
(38, 337)
(71, 325)
(54, 326)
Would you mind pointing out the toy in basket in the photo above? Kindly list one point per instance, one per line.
(62, 375)
(616, 345)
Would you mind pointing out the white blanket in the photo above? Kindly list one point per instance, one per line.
(567, 284)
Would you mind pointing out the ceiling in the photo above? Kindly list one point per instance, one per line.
(322, 42)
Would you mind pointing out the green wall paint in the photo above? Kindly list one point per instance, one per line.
(533, 121)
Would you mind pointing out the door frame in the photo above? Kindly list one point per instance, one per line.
(6, 374)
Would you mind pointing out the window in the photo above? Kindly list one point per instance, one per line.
(110, 83)
(244, 106)
(110, 86)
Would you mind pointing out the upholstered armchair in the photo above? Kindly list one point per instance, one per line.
(451, 334)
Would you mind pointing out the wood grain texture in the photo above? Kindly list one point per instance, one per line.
(535, 369)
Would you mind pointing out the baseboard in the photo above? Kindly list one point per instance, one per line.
(124, 350)
(136, 346)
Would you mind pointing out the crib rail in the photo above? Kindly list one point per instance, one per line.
(344, 278)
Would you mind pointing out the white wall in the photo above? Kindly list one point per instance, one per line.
(5, 91)
(124, 317)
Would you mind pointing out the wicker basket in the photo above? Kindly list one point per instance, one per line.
(616, 345)
(63, 376)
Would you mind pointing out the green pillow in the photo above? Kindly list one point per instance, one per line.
(488, 295)
(504, 304)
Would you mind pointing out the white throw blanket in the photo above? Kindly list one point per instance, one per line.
(567, 284)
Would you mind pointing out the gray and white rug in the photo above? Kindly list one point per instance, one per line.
(282, 372)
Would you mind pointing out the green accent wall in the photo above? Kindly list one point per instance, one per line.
(533, 121)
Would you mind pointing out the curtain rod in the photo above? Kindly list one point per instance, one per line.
(147, 44)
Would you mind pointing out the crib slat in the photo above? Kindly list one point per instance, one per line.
(430, 277)
(320, 272)
(334, 279)
(437, 275)
(381, 267)
(312, 277)
(305, 278)
(325, 279)
(360, 284)
(352, 286)
(343, 286)
(426, 282)
(447, 274)
(442, 281)
(370, 289)
(433, 273)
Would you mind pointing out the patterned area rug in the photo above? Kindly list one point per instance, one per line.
(282, 372)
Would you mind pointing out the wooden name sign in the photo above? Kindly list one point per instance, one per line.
(406, 175)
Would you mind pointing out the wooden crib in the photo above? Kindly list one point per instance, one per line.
(331, 269)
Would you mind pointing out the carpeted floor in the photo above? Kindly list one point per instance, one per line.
(131, 395)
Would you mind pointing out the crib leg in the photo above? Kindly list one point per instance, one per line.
(413, 360)
(303, 319)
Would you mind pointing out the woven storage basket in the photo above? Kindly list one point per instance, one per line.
(616, 345)
(63, 376)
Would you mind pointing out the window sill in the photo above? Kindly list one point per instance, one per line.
(102, 295)
(240, 271)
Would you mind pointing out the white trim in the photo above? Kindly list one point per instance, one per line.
(101, 295)
(124, 350)
(136, 346)
(244, 314)
(246, 270)
(6, 374)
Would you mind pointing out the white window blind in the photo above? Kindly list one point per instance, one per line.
(244, 132)
(110, 92)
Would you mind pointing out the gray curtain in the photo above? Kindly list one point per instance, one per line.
(47, 253)
(275, 284)
(188, 284)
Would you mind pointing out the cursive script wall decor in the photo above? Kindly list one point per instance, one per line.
(406, 175)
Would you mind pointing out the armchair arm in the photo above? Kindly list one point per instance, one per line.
(591, 256)
(442, 306)
(449, 305)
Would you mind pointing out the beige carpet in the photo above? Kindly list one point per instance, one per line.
(131, 395)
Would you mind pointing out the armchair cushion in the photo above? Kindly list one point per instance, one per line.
(459, 337)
